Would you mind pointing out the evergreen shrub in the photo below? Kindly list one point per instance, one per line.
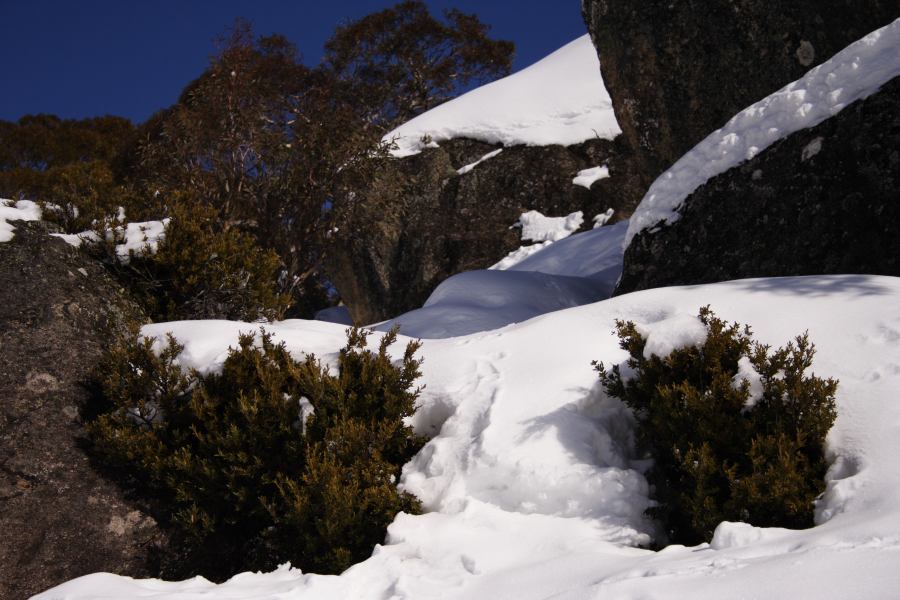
(268, 461)
(726, 447)
(203, 269)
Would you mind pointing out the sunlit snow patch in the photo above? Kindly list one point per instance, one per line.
(22, 210)
(587, 177)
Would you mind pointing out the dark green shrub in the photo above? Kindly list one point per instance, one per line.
(721, 453)
(74, 196)
(245, 473)
(203, 269)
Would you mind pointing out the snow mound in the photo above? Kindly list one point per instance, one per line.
(854, 73)
(576, 270)
(560, 99)
(530, 477)
(23, 210)
(483, 300)
(596, 254)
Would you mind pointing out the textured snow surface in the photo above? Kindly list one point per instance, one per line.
(853, 73)
(529, 477)
(560, 99)
(10, 210)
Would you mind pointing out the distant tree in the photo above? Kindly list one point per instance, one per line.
(405, 62)
(268, 142)
(274, 145)
(40, 142)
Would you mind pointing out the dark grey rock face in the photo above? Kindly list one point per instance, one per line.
(58, 518)
(420, 221)
(677, 71)
(823, 200)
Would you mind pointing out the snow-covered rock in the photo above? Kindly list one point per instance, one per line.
(853, 73)
(558, 100)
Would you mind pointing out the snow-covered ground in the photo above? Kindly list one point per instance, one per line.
(855, 72)
(529, 479)
(560, 99)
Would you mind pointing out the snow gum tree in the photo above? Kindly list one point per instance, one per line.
(276, 146)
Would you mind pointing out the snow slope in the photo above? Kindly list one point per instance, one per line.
(854, 73)
(531, 281)
(557, 100)
(529, 478)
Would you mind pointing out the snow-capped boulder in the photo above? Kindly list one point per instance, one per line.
(805, 181)
(676, 73)
(466, 170)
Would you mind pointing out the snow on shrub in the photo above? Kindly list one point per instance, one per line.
(200, 269)
(736, 431)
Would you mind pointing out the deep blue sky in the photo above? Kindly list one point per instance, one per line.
(132, 57)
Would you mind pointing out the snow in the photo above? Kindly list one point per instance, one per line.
(141, 238)
(560, 99)
(23, 210)
(576, 270)
(593, 254)
(465, 169)
(603, 218)
(746, 372)
(673, 333)
(539, 228)
(530, 479)
(77, 239)
(812, 148)
(852, 74)
(483, 300)
(587, 177)
(137, 238)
